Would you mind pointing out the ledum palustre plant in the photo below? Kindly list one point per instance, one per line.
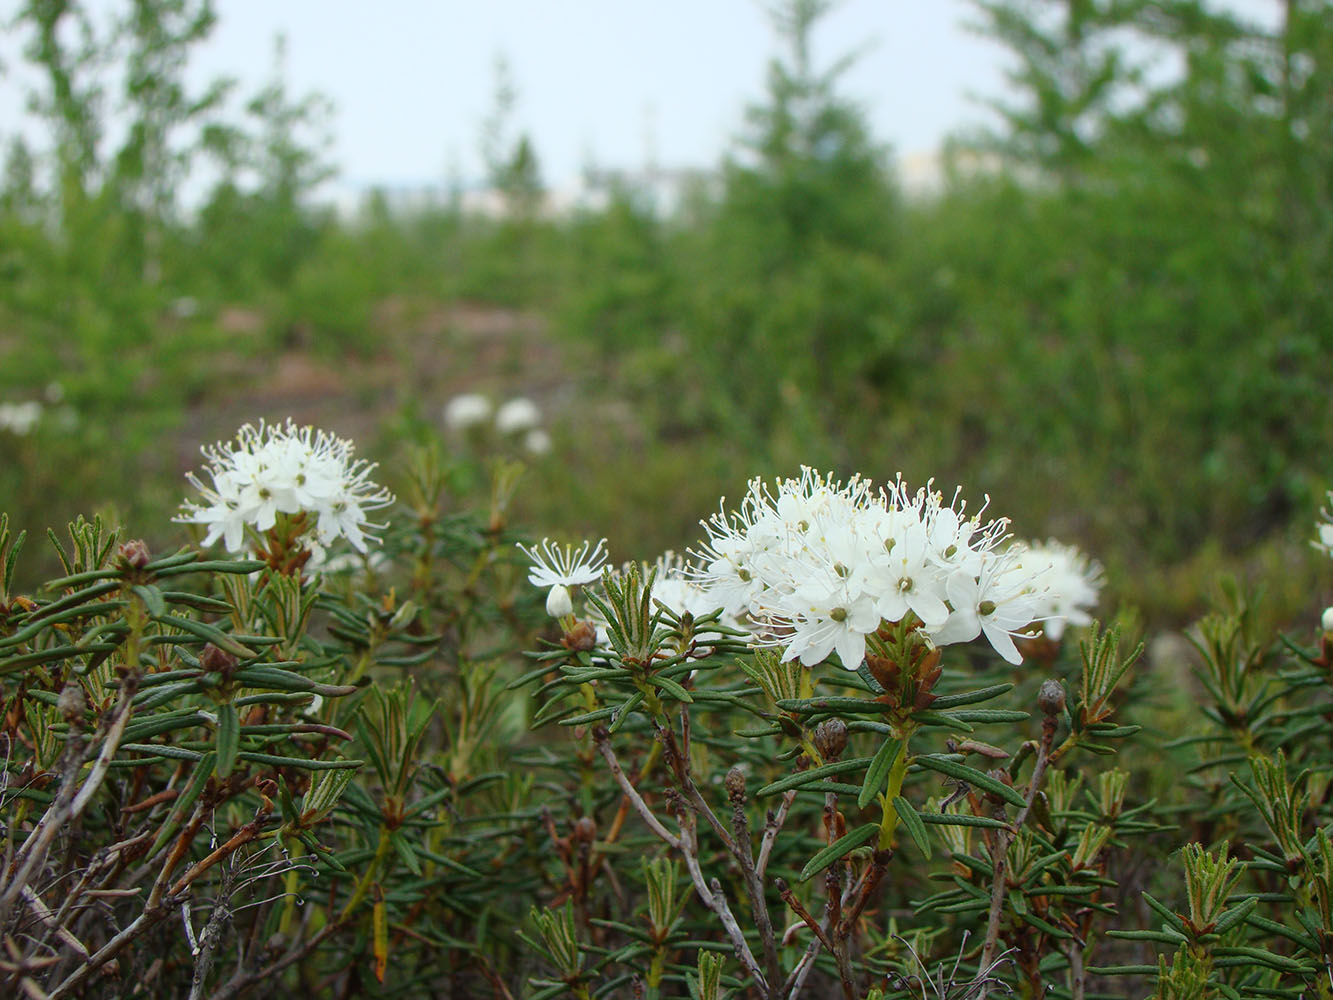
(279, 767)
(790, 810)
(791, 764)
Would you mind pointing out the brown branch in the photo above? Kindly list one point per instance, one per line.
(72, 798)
(601, 738)
(1004, 839)
(771, 829)
(712, 896)
(799, 909)
(744, 854)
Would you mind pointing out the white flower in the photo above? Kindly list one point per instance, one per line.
(272, 470)
(19, 418)
(823, 616)
(466, 410)
(517, 415)
(676, 584)
(537, 442)
(1324, 529)
(1069, 582)
(1326, 620)
(561, 568)
(997, 604)
(558, 602)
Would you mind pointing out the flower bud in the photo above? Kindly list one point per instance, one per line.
(1326, 620)
(558, 603)
(1051, 697)
(831, 738)
(585, 829)
(581, 638)
(735, 782)
(215, 660)
(134, 554)
(72, 703)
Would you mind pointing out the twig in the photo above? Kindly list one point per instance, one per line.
(207, 946)
(754, 885)
(69, 803)
(243, 980)
(1077, 977)
(799, 909)
(771, 829)
(45, 915)
(863, 890)
(601, 738)
(712, 896)
(1006, 837)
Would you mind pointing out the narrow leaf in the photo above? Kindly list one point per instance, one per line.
(229, 739)
(912, 820)
(878, 773)
(834, 851)
(973, 777)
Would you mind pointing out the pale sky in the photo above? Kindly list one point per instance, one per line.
(596, 79)
(600, 81)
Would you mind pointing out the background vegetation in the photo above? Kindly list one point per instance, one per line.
(1114, 317)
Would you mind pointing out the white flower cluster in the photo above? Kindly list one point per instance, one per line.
(821, 565)
(817, 566)
(512, 418)
(270, 470)
(1068, 582)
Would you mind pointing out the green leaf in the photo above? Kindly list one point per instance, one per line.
(670, 687)
(1042, 925)
(208, 633)
(229, 739)
(1173, 921)
(259, 675)
(184, 804)
(973, 777)
(962, 819)
(301, 762)
(623, 713)
(404, 852)
(878, 773)
(969, 697)
(989, 715)
(843, 845)
(1234, 916)
(152, 599)
(910, 819)
(11, 561)
(807, 706)
(947, 720)
(814, 774)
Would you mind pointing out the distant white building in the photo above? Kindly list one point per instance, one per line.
(665, 190)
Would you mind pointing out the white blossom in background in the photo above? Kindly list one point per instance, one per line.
(537, 442)
(1326, 620)
(1071, 582)
(271, 470)
(517, 415)
(466, 410)
(676, 584)
(20, 418)
(1324, 528)
(559, 568)
(820, 565)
